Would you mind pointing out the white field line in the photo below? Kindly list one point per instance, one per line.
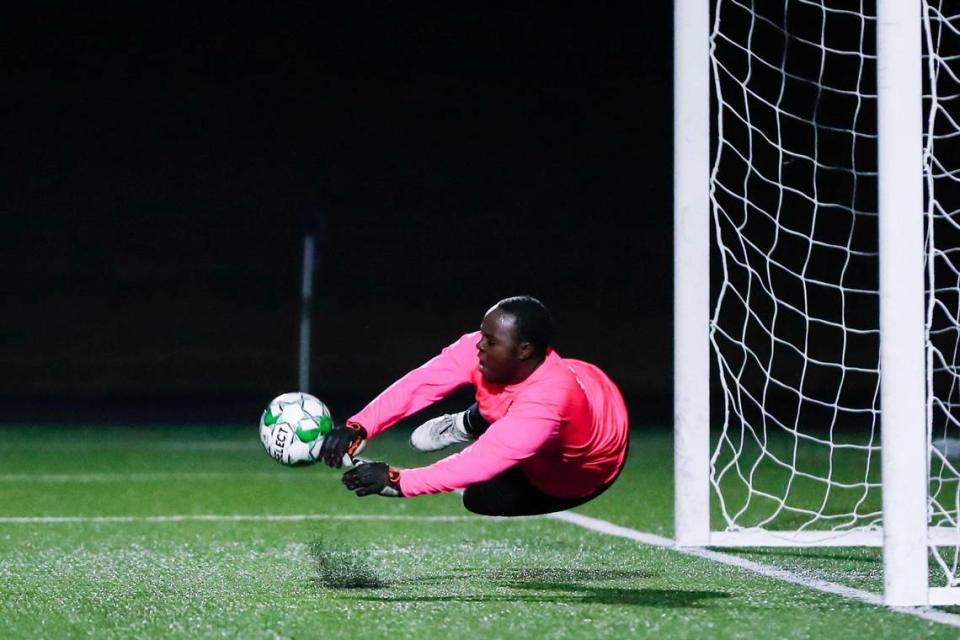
(610, 529)
(150, 477)
(296, 517)
(133, 444)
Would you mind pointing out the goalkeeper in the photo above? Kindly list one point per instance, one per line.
(547, 433)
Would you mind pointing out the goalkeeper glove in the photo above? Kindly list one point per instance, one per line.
(340, 442)
(371, 478)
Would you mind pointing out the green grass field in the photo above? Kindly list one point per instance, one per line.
(88, 548)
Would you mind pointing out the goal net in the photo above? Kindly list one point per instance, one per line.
(942, 177)
(795, 316)
(795, 323)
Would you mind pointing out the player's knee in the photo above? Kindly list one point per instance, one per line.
(480, 502)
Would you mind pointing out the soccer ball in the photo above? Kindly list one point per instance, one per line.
(292, 428)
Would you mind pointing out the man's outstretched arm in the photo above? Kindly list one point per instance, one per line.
(423, 386)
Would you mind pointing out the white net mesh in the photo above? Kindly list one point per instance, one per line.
(795, 328)
(942, 174)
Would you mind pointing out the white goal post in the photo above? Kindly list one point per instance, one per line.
(836, 176)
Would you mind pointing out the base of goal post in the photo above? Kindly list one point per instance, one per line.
(944, 596)
(938, 536)
(764, 538)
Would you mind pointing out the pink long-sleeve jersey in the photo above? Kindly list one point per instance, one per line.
(565, 425)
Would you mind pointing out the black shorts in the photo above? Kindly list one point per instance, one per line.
(511, 494)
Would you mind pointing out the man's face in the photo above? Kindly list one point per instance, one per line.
(498, 350)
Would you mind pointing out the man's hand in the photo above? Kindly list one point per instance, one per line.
(371, 478)
(341, 441)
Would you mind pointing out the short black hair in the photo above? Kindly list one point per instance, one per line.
(532, 321)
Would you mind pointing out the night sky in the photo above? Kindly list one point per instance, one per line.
(157, 165)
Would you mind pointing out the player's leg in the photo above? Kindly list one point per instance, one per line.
(449, 429)
(511, 494)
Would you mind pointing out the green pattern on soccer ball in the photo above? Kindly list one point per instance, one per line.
(268, 417)
(324, 425)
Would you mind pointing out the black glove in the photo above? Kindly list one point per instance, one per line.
(341, 441)
(369, 478)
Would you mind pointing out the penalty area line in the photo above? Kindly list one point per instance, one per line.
(610, 529)
(294, 517)
(92, 478)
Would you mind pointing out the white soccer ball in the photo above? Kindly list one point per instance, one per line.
(292, 428)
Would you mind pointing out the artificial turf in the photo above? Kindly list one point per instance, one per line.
(365, 568)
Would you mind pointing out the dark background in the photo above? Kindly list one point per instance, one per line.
(157, 165)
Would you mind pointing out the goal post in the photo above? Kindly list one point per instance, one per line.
(691, 255)
(902, 358)
(815, 141)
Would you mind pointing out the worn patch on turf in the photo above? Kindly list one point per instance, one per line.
(342, 567)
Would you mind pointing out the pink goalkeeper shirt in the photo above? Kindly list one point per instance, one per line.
(565, 426)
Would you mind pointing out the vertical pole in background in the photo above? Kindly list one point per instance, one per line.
(902, 359)
(691, 244)
(312, 226)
